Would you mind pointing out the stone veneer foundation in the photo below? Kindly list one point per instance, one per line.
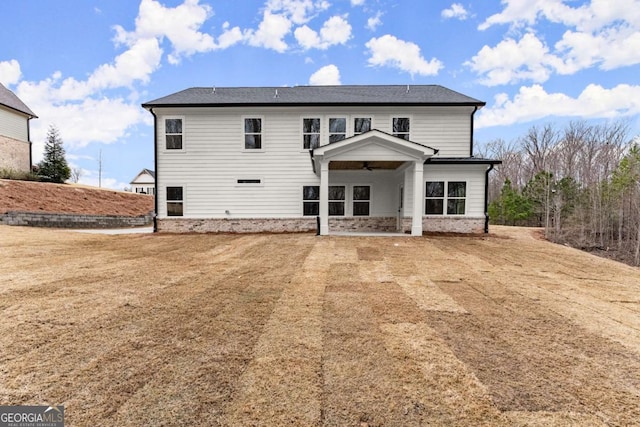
(309, 224)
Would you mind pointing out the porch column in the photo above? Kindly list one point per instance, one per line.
(324, 198)
(418, 192)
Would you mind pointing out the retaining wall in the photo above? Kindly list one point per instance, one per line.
(41, 219)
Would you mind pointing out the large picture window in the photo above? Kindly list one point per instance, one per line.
(453, 199)
(337, 129)
(310, 133)
(173, 134)
(253, 134)
(311, 200)
(175, 201)
(401, 127)
(361, 200)
(336, 200)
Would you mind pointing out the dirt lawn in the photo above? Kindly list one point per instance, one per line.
(272, 330)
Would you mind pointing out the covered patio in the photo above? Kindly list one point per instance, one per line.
(392, 169)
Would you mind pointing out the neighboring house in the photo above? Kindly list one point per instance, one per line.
(15, 140)
(144, 182)
(344, 158)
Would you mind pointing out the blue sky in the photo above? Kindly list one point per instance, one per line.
(87, 65)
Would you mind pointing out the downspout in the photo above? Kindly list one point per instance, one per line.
(30, 144)
(155, 166)
(471, 132)
(486, 199)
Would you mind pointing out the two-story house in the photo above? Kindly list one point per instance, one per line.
(326, 158)
(15, 142)
(144, 182)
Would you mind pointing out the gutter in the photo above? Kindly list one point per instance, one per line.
(486, 199)
(155, 165)
(471, 132)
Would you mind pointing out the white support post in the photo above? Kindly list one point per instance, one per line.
(324, 198)
(418, 193)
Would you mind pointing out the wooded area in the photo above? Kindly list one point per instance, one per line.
(582, 183)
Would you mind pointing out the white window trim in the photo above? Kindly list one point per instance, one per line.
(184, 200)
(328, 128)
(402, 116)
(303, 200)
(351, 128)
(164, 135)
(345, 201)
(262, 134)
(445, 197)
(352, 201)
(301, 127)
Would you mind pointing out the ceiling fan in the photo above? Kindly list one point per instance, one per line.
(366, 166)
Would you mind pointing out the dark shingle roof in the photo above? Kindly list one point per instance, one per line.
(9, 99)
(315, 95)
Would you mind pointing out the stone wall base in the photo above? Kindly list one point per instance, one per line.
(15, 154)
(447, 224)
(40, 219)
(450, 224)
(237, 225)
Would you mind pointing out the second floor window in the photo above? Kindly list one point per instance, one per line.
(253, 134)
(173, 134)
(401, 127)
(337, 129)
(361, 125)
(310, 133)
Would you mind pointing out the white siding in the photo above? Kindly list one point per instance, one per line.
(13, 124)
(474, 175)
(213, 157)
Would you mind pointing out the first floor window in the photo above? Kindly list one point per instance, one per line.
(336, 200)
(456, 194)
(173, 134)
(361, 200)
(453, 199)
(175, 201)
(252, 134)
(310, 133)
(311, 200)
(337, 129)
(401, 127)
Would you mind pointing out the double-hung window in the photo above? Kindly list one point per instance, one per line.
(453, 199)
(310, 133)
(311, 200)
(361, 125)
(173, 134)
(175, 201)
(401, 127)
(337, 129)
(336, 200)
(361, 200)
(253, 133)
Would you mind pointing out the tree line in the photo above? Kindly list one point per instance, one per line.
(581, 183)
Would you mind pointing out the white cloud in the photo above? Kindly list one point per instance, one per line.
(533, 103)
(512, 61)
(393, 52)
(455, 11)
(10, 72)
(297, 11)
(336, 30)
(270, 33)
(327, 75)
(357, 2)
(374, 21)
(600, 34)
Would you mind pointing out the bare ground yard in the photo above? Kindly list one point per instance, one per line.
(300, 330)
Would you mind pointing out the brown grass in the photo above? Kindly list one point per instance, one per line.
(70, 198)
(277, 330)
